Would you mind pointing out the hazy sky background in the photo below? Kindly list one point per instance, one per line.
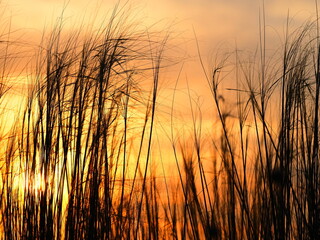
(213, 20)
(218, 24)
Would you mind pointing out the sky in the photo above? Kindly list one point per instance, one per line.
(217, 25)
(214, 21)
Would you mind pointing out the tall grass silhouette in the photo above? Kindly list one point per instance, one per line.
(77, 162)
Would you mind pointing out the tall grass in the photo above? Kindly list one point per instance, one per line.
(78, 162)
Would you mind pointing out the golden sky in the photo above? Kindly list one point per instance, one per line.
(213, 20)
(218, 24)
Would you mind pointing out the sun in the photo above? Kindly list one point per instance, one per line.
(39, 183)
(34, 183)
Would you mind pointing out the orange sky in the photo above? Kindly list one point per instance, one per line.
(218, 24)
(215, 21)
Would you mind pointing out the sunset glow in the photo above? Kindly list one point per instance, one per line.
(173, 119)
